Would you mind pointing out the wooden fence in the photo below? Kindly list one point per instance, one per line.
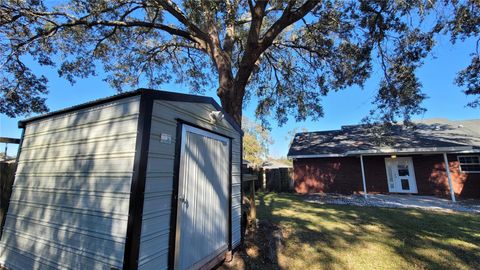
(279, 179)
(7, 173)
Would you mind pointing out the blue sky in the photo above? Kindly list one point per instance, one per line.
(349, 106)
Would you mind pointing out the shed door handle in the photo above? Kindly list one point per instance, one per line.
(183, 200)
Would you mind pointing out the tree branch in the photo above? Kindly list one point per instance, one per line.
(275, 72)
(168, 29)
(230, 28)
(173, 9)
(256, 46)
(258, 13)
(288, 17)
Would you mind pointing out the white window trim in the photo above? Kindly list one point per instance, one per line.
(467, 156)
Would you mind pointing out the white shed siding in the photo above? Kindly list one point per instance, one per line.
(69, 205)
(236, 193)
(154, 244)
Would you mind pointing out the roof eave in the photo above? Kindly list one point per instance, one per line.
(316, 156)
(389, 151)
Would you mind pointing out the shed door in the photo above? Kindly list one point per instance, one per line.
(202, 213)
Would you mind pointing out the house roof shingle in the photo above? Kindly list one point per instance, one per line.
(424, 136)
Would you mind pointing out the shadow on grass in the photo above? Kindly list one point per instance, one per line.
(323, 236)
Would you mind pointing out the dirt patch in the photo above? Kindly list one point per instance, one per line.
(260, 249)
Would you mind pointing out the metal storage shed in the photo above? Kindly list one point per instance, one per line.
(141, 180)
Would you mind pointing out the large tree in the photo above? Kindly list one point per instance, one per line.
(287, 53)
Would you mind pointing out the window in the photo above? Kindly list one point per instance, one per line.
(405, 184)
(469, 163)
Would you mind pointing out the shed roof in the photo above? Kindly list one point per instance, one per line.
(154, 94)
(431, 135)
(275, 164)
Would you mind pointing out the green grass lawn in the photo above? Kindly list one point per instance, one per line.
(349, 237)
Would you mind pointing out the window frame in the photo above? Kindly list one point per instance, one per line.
(467, 156)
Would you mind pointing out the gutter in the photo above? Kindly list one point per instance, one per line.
(387, 151)
(316, 156)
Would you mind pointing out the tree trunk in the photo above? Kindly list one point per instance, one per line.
(231, 97)
(234, 89)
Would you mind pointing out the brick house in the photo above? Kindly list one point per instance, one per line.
(360, 159)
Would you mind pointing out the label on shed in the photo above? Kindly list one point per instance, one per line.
(166, 138)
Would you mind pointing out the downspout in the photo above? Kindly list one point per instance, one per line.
(363, 178)
(452, 193)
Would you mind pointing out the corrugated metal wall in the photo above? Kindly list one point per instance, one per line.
(69, 206)
(159, 183)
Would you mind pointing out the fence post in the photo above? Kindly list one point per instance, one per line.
(253, 208)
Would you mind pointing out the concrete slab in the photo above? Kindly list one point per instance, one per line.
(398, 201)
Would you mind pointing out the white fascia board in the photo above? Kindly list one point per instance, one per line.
(316, 156)
(411, 150)
(472, 151)
(274, 167)
(420, 150)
